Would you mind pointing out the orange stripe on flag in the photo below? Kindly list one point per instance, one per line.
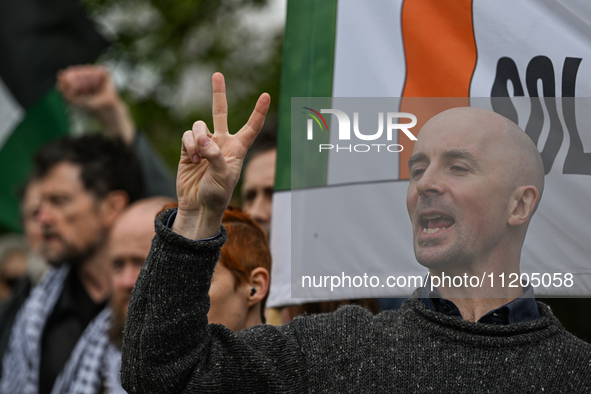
(440, 54)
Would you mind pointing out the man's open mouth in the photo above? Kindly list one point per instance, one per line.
(430, 224)
(50, 237)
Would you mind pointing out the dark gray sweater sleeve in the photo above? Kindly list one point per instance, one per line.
(168, 346)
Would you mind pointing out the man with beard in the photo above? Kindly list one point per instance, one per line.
(476, 180)
(239, 286)
(85, 184)
(129, 244)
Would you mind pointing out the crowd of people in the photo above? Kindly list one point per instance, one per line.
(146, 285)
(88, 213)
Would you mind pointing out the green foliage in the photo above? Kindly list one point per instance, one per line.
(165, 51)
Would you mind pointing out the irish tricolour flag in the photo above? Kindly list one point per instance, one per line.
(339, 208)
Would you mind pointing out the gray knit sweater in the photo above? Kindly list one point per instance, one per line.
(170, 348)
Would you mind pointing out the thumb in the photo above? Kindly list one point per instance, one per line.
(211, 151)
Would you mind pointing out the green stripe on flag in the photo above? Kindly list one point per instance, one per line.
(308, 58)
(44, 122)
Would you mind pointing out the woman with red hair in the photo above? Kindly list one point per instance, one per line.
(240, 282)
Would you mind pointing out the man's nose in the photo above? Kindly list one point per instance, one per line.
(260, 209)
(430, 182)
(45, 215)
(129, 277)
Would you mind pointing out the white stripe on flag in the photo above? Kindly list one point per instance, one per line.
(369, 54)
(280, 291)
(11, 113)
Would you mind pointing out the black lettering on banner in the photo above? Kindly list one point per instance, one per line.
(506, 71)
(541, 68)
(577, 161)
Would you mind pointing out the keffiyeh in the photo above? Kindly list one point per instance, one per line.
(81, 374)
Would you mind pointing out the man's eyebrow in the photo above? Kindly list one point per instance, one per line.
(414, 159)
(460, 154)
(452, 154)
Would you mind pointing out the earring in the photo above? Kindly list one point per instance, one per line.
(252, 291)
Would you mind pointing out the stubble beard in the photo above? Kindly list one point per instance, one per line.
(454, 254)
(70, 253)
(119, 307)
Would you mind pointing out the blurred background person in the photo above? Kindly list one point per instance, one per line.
(129, 244)
(258, 184)
(90, 88)
(239, 285)
(258, 181)
(13, 263)
(20, 269)
(29, 248)
(85, 182)
(30, 202)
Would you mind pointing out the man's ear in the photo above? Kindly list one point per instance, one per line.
(259, 281)
(523, 203)
(112, 205)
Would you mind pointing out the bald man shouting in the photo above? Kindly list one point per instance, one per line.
(475, 183)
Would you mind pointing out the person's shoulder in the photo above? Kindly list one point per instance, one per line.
(569, 344)
(49, 287)
(564, 347)
(578, 346)
(346, 320)
(570, 361)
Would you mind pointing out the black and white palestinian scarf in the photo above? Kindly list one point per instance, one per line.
(81, 374)
(112, 370)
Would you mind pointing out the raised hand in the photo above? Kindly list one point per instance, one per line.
(210, 165)
(91, 88)
(87, 86)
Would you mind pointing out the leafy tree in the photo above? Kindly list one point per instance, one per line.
(164, 53)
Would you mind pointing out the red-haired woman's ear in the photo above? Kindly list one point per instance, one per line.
(259, 285)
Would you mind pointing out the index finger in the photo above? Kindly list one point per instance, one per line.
(220, 104)
(255, 123)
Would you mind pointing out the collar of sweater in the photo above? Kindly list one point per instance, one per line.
(416, 313)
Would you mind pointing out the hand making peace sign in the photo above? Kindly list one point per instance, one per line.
(210, 165)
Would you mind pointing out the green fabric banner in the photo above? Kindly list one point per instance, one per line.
(43, 122)
(308, 58)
